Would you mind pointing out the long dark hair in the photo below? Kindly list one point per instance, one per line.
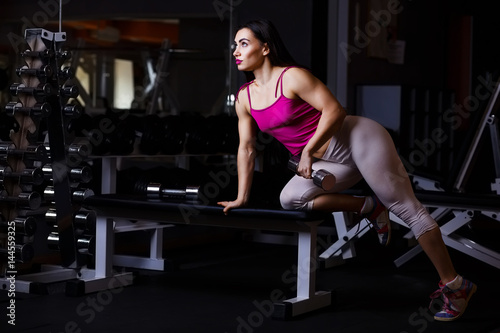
(266, 32)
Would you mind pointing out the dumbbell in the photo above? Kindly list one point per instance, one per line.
(22, 225)
(33, 176)
(72, 110)
(42, 72)
(77, 195)
(70, 91)
(79, 149)
(82, 220)
(75, 150)
(83, 243)
(66, 73)
(321, 178)
(22, 252)
(37, 110)
(80, 175)
(85, 220)
(39, 92)
(173, 135)
(157, 191)
(33, 152)
(47, 53)
(28, 200)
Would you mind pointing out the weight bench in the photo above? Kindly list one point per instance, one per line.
(111, 208)
(462, 208)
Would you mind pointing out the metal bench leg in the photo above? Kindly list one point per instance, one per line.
(103, 277)
(307, 298)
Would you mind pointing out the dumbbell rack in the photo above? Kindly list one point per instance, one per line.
(43, 95)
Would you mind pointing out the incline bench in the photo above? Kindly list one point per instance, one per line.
(110, 208)
(463, 208)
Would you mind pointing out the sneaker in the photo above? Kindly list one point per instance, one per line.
(379, 218)
(454, 300)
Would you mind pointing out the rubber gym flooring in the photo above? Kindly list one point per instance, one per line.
(226, 285)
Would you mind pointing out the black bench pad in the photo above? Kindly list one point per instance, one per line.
(459, 200)
(140, 208)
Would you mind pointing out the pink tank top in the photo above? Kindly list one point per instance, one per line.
(291, 121)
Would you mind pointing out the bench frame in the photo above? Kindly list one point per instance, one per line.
(463, 209)
(119, 210)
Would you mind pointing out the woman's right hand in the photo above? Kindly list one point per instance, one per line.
(304, 168)
(228, 205)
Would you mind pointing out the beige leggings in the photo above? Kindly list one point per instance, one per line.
(363, 149)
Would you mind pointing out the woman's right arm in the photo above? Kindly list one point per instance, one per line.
(246, 154)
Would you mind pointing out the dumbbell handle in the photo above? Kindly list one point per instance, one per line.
(322, 178)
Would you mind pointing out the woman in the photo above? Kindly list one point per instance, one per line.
(296, 108)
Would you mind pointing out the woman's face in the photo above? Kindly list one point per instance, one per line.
(248, 50)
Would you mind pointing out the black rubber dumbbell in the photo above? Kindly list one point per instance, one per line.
(322, 178)
(28, 200)
(37, 110)
(157, 191)
(21, 252)
(22, 225)
(33, 176)
(32, 152)
(39, 92)
(42, 72)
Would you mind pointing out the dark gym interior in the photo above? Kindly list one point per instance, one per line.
(95, 182)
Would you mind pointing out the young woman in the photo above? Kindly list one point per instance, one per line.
(296, 108)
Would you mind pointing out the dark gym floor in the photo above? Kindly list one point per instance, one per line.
(226, 287)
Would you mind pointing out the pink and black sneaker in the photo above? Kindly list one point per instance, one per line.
(454, 300)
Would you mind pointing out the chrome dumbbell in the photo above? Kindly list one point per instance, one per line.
(157, 191)
(322, 178)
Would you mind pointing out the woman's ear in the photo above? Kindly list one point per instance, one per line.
(265, 49)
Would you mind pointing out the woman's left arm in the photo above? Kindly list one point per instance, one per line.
(302, 84)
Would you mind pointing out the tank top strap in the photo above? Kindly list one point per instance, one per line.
(247, 86)
(280, 81)
(248, 93)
